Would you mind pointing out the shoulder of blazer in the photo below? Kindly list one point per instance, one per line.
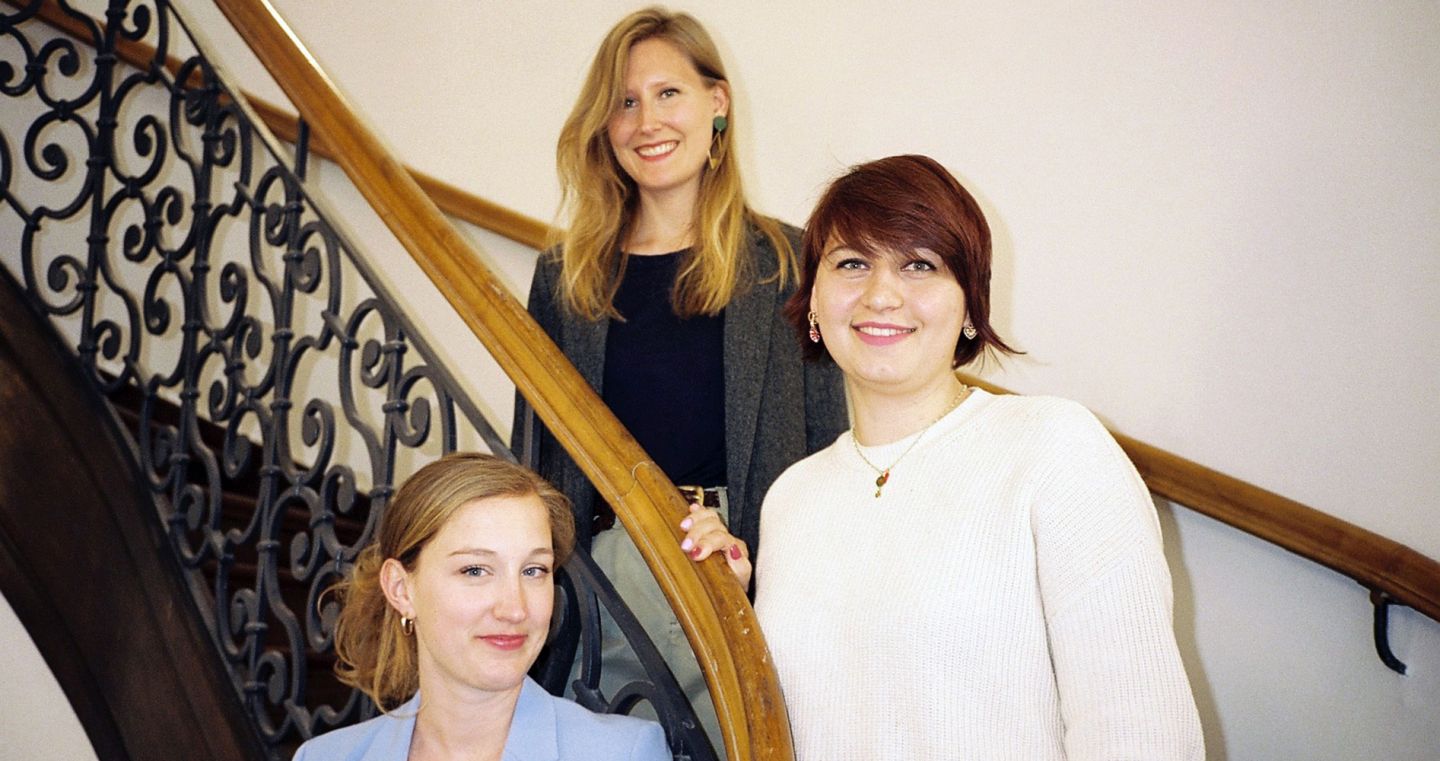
(547, 727)
(763, 256)
(542, 300)
(606, 735)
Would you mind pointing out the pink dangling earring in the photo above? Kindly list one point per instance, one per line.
(814, 327)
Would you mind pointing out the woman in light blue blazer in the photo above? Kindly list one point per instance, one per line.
(442, 617)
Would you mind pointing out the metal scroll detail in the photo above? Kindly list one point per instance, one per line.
(278, 392)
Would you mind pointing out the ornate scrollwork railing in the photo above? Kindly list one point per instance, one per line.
(279, 391)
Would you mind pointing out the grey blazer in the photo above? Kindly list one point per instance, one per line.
(778, 408)
(544, 728)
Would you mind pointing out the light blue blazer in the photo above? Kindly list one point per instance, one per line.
(545, 728)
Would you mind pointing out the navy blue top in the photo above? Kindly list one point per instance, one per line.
(665, 376)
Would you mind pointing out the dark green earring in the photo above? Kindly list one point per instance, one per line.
(720, 123)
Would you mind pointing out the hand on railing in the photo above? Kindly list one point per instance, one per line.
(706, 534)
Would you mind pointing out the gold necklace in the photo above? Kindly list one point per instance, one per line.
(883, 474)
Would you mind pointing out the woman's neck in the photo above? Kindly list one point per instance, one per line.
(881, 417)
(663, 223)
(469, 725)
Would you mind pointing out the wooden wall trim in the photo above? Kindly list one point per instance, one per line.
(1374, 561)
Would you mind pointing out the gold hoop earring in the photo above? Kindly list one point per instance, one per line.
(407, 625)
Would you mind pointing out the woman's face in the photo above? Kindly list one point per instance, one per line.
(481, 595)
(891, 320)
(661, 134)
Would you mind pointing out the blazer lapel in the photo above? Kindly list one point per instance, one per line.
(583, 341)
(392, 741)
(749, 321)
(533, 731)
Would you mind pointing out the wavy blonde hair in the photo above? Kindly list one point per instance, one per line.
(374, 655)
(599, 198)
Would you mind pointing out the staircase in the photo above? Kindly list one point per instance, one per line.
(262, 391)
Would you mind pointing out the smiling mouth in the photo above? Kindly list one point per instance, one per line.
(879, 332)
(655, 151)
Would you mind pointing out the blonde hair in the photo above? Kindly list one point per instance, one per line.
(601, 198)
(374, 655)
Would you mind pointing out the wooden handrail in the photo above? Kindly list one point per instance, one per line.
(709, 603)
(1376, 562)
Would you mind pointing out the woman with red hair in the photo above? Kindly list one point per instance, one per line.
(962, 574)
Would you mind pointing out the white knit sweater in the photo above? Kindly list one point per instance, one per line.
(1006, 596)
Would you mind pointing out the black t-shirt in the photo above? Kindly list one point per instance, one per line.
(665, 376)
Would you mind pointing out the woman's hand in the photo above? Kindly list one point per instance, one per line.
(705, 534)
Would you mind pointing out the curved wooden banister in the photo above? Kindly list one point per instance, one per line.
(1376, 562)
(708, 601)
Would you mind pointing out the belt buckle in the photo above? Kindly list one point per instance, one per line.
(695, 494)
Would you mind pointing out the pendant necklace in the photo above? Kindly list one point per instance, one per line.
(883, 474)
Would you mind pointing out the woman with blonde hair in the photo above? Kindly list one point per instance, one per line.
(443, 615)
(665, 290)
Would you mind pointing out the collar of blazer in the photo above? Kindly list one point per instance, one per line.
(532, 730)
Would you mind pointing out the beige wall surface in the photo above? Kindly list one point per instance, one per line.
(37, 723)
(1215, 226)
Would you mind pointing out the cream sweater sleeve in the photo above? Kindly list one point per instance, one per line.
(1107, 600)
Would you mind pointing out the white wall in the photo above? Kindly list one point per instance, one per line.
(1215, 226)
(37, 723)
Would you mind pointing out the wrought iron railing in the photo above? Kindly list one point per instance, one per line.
(186, 257)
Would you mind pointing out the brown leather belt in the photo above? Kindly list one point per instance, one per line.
(707, 496)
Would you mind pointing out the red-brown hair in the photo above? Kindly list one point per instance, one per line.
(902, 204)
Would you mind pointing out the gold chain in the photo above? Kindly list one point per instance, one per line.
(883, 474)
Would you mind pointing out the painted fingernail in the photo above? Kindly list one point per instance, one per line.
(685, 525)
(734, 552)
(686, 545)
(695, 553)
